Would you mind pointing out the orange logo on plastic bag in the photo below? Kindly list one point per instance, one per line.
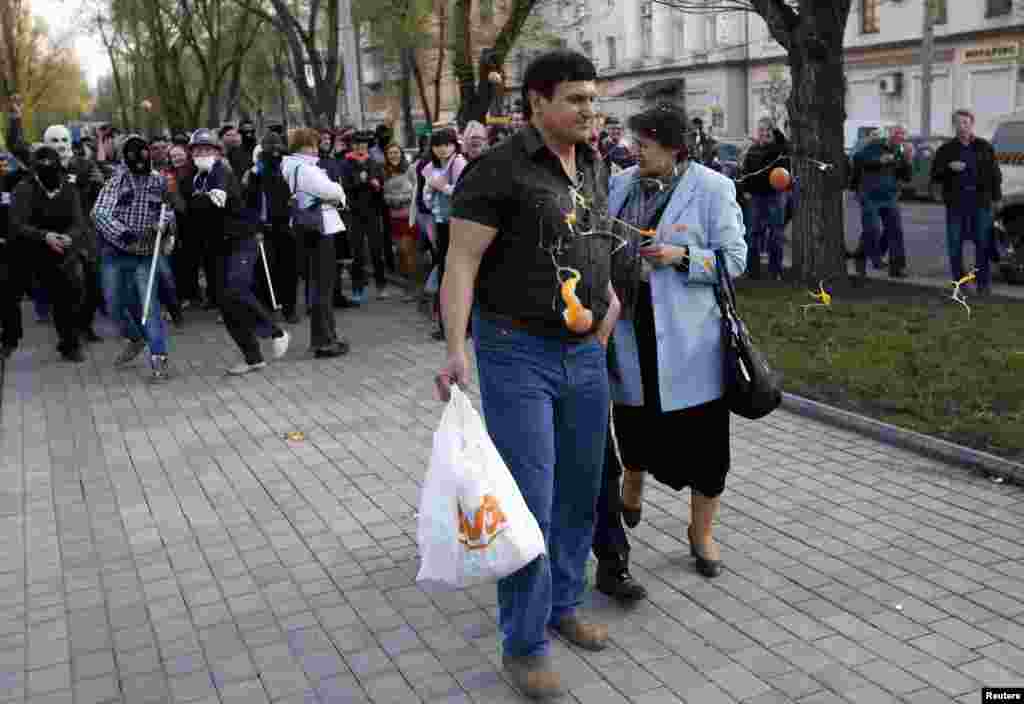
(488, 522)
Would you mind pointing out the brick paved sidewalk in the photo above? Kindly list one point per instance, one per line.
(167, 544)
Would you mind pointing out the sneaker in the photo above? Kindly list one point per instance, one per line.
(359, 296)
(177, 318)
(280, 344)
(89, 335)
(383, 294)
(161, 368)
(244, 368)
(131, 350)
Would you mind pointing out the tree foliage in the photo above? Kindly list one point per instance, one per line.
(184, 57)
(43, 70)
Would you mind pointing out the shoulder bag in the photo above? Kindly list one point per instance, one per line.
(752, 388)
(308, 218)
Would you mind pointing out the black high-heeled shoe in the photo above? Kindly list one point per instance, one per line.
(708, 568)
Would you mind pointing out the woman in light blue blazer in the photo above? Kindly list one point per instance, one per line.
(670, 417)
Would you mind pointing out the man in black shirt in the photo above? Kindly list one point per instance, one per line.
(516, 249)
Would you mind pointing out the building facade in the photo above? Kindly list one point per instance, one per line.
(726, 68)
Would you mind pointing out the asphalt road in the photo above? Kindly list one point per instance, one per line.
(924, 235)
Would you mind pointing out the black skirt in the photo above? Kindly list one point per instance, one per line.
(681, 448)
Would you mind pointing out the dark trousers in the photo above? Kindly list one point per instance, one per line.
(970, 223)
(322, 270)
(244, 316)
(213, 267)
(63, 277)
(12, 288)
(442, 239)
(611, 546)
(283, 260)
(93, 293)
(185, 261)
(881, 231)
(367, 238)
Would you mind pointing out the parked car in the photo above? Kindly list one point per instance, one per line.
(1008, 142)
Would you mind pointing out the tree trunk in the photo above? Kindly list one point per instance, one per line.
(421, 87)
(813, 40)
(442, 43)
(816, 105)
(475, 100)
(407, 123)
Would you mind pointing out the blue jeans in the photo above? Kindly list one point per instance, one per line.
(165, 284)
(889, 236)
(546, 405)
(124, 284)
(973, 224)
(767, 223)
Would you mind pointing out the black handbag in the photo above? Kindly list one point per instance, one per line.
(752, 388)
(310, 218)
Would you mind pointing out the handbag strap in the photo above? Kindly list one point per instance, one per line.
(725, 293)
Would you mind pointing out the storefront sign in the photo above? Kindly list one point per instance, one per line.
(989, 54)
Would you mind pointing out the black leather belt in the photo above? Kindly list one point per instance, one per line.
(526, 327)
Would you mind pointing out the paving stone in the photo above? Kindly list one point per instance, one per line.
(202, 549)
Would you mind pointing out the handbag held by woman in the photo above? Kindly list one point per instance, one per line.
(752, 388)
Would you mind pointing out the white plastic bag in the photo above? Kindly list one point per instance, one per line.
(474, 525)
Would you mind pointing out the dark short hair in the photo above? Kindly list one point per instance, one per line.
(443, 136)
(549, 69)
(665, 124)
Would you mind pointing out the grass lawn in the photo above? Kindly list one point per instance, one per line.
(902, 354)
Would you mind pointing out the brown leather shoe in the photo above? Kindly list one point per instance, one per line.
(532, 676)
(632, 496)
(591, 636)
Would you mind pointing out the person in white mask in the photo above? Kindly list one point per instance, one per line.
(215, 209)
(59, 138)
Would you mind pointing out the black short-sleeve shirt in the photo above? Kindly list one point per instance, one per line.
(520, 189)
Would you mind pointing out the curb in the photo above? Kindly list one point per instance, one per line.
(907, 439)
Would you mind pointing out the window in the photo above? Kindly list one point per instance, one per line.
(486, 11)
(588, 49)
(711, 32)
(939, 10)
(646, 27)
(612, 59)
(870, 20)
(998, 8)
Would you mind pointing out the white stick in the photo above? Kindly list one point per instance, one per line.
(266, 270)
(152, 267)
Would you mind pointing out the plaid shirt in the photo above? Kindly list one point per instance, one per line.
(127, 211)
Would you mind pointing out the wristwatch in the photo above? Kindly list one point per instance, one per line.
(683, 265)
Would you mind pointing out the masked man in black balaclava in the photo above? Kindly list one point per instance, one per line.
(267, 197)
(47, 210)
(127, 217)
